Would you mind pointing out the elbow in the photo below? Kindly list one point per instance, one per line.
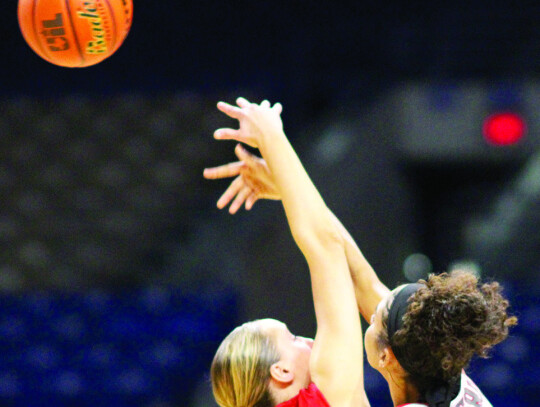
(317, 235)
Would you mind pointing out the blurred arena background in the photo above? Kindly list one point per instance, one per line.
(119, 277)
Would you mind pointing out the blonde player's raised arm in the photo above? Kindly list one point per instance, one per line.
(337, 357)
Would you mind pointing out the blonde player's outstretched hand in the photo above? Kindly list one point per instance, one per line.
(253, 181)
(254, 120)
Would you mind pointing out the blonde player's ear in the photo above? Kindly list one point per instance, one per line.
(281, 373)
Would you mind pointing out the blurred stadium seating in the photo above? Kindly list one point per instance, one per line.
(88, 182)
(93, 192)
(152, 346)
(138, 348)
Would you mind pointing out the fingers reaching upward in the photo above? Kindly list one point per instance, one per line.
(253, 179)
(255, 120)
(230, 110)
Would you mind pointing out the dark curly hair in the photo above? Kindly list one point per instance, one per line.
(447, 322)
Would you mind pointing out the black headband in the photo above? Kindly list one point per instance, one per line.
(395, 319)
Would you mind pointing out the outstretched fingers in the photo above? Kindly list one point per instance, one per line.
(241, 197)
(243, 102)
(230, 110)
(236, 111)
(223, 171)
(243, 154)
(231, 192)
(228, 134)
(250, 201)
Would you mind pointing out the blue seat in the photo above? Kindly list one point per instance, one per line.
(41, 357)
(10, 385)
(106, 349)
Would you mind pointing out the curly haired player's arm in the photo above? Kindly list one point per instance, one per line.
(255, 181)
(368, 289)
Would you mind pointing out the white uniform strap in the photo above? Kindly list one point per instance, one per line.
(469, 395)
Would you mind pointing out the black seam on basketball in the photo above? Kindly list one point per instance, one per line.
(111, 11)
(36, 34)
(74, 33)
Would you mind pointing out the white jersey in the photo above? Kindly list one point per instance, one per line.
(469, 395)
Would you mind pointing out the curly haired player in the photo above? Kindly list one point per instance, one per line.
(422, 337)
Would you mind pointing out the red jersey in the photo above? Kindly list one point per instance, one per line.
(310, 397)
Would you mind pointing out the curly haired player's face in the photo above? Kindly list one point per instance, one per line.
(372, 335)
(294, 351)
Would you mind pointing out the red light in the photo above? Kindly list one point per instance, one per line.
(504, 129)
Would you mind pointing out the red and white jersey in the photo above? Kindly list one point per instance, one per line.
(310, 397)
(469, 395)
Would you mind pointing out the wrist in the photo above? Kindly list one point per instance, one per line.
(271, 137)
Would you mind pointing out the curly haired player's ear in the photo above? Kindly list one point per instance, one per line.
(386, 357)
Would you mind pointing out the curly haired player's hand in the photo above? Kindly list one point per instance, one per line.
(255, 121)
(253, 181)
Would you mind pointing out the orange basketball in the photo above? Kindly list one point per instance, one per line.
(75, 33)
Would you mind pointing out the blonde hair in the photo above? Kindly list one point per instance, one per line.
(240, 371)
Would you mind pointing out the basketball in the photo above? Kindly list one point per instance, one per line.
(75, 33)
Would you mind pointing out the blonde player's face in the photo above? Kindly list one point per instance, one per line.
(295, 351)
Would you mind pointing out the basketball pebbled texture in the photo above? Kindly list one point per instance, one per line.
(75, 33)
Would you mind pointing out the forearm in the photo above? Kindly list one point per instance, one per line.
(369, 290)
(307, 214)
